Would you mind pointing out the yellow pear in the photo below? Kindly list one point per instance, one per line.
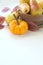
(35, 8)
(41, 3)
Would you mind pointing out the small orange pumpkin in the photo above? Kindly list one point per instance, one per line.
(18, 26)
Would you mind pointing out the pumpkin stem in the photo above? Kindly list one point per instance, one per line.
(15, 18)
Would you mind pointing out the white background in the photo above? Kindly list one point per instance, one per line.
(20, 50)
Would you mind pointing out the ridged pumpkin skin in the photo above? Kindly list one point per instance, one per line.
(18, 28)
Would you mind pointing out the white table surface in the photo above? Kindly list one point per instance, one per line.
(20, 50)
